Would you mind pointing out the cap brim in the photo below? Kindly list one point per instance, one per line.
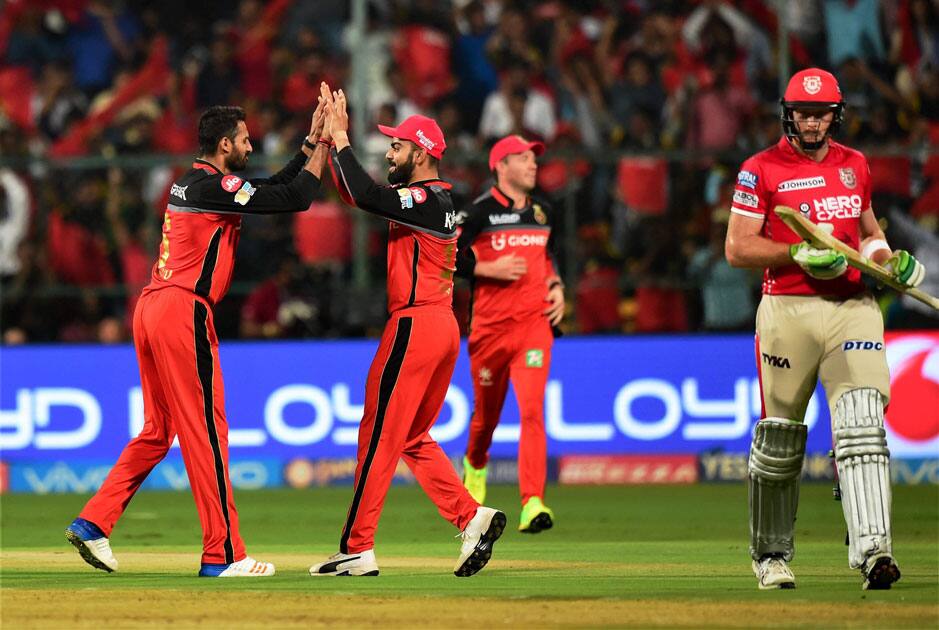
(391, 132)
(537, 147)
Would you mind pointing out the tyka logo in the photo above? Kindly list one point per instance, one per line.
(774, 361)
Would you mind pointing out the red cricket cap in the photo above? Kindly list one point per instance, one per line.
(510, 145)
(422, 131)
(813, 85)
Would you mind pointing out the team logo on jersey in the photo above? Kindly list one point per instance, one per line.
(748, 179)
(534, 358)
(812, 84)
(801, 184)
(485, 376)
(449, 220)
(244, 194)
(231, 183)
(407, 200)
(419, 194)
(497, 242)
(540, 216)
(847, 177)
(179, 191)
(746, 199)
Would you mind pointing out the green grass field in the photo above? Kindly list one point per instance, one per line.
(666, 556)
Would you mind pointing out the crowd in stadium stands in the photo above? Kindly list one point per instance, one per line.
(647, 108)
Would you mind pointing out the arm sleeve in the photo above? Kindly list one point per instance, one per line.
(230, 193)
(403, 205)
(750, 198)
(469, 227)
(286, 174)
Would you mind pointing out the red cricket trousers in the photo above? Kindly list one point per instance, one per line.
(405, 391)
(177, 349)
(520, 351)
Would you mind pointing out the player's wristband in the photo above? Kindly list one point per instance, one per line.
(875, 246)
(326, 143)
(308, 144)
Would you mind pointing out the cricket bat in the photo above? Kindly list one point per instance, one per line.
(818, 237)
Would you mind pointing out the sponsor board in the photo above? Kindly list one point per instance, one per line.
(307, 473)
(579, 470)
(720, 466)
(57, 477)
(84, 403)
(914, 471)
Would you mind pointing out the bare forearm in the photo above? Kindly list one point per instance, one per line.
(758, 252)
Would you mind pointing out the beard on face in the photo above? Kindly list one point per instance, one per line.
(401, 173)
(236, 162)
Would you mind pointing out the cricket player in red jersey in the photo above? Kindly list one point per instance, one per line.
(506, 249)
(816, 321)
(176, 345)
(409, 377)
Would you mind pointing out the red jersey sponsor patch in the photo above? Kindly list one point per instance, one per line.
(231, 183)
(419, 194)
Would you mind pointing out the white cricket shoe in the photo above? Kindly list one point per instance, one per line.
(773, 572)
(247, 567)
(480, 535)
(880, 571)
(92, 544)
(356, 564)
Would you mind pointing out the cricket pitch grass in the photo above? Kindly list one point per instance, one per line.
(646, 556)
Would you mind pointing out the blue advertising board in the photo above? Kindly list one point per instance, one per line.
(677, 394)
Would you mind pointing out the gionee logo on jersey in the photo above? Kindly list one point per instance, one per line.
(519, 240)
(498, 242)
(773, 360)
(840, 207)
(802, 184)
(502, 219)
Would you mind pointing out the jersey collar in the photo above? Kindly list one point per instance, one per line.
(507, 201)
(433, 182)
(205, 166)
(785, 145)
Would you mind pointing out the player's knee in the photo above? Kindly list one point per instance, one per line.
(778, 449)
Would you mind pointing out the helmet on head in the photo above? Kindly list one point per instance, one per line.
(813, 88)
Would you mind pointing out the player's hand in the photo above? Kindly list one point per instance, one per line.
(906, 268)
(555, 310)
(824, 264)
(509, 267)
(318, 121)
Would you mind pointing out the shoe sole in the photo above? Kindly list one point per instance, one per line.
(882, 575)
(775, 587)
(85, 552)
(483, 551)
(538, 524)
(346, 574)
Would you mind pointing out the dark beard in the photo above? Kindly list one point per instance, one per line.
(236, 163)
(402, 173)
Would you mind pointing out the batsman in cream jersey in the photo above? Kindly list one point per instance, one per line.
(816, 320)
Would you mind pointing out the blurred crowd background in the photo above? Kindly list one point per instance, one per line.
(647, 109)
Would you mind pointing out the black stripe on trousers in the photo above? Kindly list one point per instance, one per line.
(204, 364)
(389, 378)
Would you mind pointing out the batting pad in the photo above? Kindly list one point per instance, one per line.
(863, 463)
(775, 468)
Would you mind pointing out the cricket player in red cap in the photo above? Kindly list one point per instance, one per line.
(410, 375)
(816, 320)
(506, 250)
(176, 344)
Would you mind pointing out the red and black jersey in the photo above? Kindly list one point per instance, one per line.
(421, 237)
(203, 222)
(490, 228)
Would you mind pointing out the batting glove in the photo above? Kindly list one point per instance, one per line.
(906, 268)
(824, 264)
